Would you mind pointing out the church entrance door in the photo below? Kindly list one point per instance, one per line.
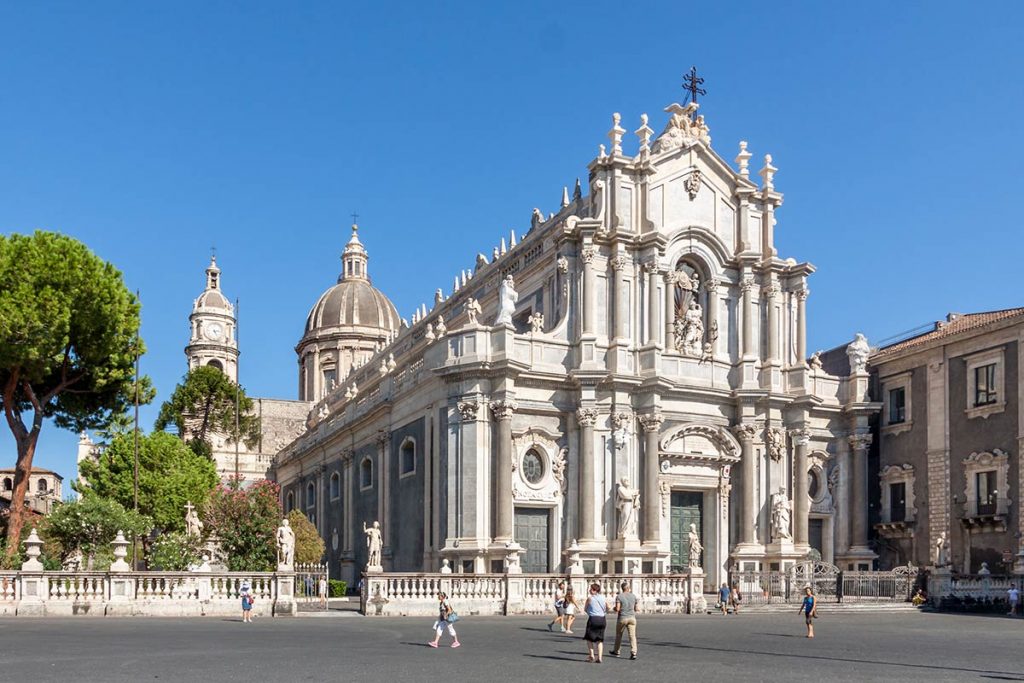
(531, 530)
(687, 509)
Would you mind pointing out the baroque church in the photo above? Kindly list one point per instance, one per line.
(631, 369)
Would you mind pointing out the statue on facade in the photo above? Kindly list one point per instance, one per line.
(628, 502)
(816, 360)
(285, 545)
(193, 525)
(441, 328)
(940, 556)
(781, 512)
(536, 321)
(374, 543)
(473, 309)
(507, 298)
(695, 546)
(690, 330)
(858, 352)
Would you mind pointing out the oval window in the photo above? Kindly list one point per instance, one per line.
(533, 467)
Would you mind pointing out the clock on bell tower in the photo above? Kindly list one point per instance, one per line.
(214, 337)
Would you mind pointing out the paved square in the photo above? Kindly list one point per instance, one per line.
(748, 647)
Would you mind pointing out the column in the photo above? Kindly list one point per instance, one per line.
(317, 376)
(649, 498)
(587, 255)
(384, 491)
(503, 510)
(858, 474)
(712, 286)
(801, 326)
(587, 418)
(748, 510)
(771, 292)
(619, 265)
(749, 347)
(671, 277)
(801, 500)
(652, 302)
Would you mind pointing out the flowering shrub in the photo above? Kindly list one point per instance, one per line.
(244, 520)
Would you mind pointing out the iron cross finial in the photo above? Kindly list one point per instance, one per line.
(692, 83)
(355, 218)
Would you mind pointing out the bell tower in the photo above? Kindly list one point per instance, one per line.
(213, 339)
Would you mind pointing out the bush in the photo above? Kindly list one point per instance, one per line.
(338, 589)
(174, 552)
(309, 547)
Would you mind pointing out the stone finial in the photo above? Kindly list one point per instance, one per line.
(445, 566)
(512, 238)
(601, 153)
(495, 255)
(504, 249)
(577, 191)
(33, 548)
(565, 197)
(616, 133)
(455, 287)
(465, 277)
(120, 544)
(644, 132)
(768, 173)
(743, 159)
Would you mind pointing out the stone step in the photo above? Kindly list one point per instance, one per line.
(828, 607)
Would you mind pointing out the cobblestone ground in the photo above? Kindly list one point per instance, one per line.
(747, 647)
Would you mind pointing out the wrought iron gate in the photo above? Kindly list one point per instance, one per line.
(312, 587)
(829, 583)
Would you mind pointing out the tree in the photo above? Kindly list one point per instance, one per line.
(68, 340)
(245, 521)
(170, 475)
(174, 552)
(204, 404)
(309, 547)
(89, 525)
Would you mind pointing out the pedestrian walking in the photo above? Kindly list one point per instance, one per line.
(1014, 595)
(559, 608)
(723, 598)
(446, 616)
(735, 598)
(596, 608)
(322, 590)
(571, 608)
(625, 607)
(247, 601)
(809, 608)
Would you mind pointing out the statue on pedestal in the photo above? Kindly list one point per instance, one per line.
(940, 556)
(689, 331)
(285, 545)
(695, 546)
(858, 352)
(781, 511)
(507, 298)
(193, 525)
(473, 309)
(374, 543)
(628, 503)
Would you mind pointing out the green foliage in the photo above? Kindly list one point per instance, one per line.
(309, 547)
(68, 339)
(245, 522)
(174, 551)
(170, 475)
(203, 404)
(337, 589)
(90, 524)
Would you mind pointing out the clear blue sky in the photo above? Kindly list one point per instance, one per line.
(152, 131)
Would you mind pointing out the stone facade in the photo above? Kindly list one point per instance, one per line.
(647, 334)
(950, 432)
(45, 487)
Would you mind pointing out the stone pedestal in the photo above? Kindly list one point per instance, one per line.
(940, 584)
(785, 553)
(631, 553)
(573, 562)
(696, 603)
(512, 552)
(32, 594)
(748, 556)
(284, 600)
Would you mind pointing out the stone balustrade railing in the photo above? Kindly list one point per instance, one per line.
(120, 593)
(398, 594)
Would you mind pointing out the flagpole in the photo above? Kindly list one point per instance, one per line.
(135, 492)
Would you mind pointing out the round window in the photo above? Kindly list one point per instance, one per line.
(533, 467)
(813, 486)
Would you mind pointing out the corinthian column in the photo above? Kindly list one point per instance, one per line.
(587, 418)
(587, 255)
(859, 474)
(801, 327)
(503, 511)
(671, 277)
(619, 264)
(801, 500)
(652, 301)
(651, 509)
(770, 293)
(712, 287)
(749, 348)
(748, 511)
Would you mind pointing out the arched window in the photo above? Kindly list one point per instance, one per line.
(335, 486)
(407, 456)
(310, 495)
(691, 308)
(8, 484)
(41, 486)
(216, 364)
(289, 504)
(366, 474)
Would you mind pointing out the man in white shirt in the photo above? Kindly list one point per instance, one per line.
(1014, 596)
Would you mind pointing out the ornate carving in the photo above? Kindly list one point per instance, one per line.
(588, 254)
(563, 264)
(650, 266)
(619, 262)
(651, 422)
(745, 431)
(711, 285)
(383, 437)
(800, 436)
(770, 290)
(536, 321)
(503, 409)
(468, 410)
(666, 497)
(775, 442)
(746, 285)
(586, 417)
(801, 294)
(816, 360)
(621, 422)
(473, 309)
(683, 129)
(671, 277)
(689, 330)
(558, 463)
(726, 446)
(692, 184)
(859, 441)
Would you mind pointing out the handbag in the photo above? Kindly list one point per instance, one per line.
(453, 617)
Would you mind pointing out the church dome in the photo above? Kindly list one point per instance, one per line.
(212, 297)
(352, 303)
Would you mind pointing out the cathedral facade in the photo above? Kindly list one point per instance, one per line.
(631, 369)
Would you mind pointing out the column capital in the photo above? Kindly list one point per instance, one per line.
(771, 290)
(711, 285)
(745, 431)
(587, 254)
(651, 266)
(620, 261)
(503, 409)
(586, 417)
(651, 422)
(747, 284)
(859, 442)
(801, 294)
(383, 437)
(800, 436)
(671, 277)
(468, 410)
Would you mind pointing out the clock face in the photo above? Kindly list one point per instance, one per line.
(213, 331)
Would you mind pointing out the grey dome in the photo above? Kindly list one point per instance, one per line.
(352, 304)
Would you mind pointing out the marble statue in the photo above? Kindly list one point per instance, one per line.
(441, 328)
(628, 502)
(695, 546)
(858, 352)
(507, 298)
(940, 557)
(473, 309)
(781, 511)
(536, 321)
(193, 525)
(285, 545)
(691, 330)
(374, 543)
(816, 360)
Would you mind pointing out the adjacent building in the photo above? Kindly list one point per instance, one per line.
(45, 487)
